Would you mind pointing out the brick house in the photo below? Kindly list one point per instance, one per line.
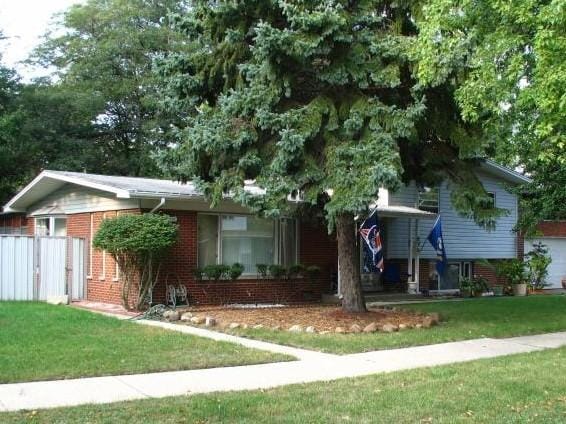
(60, 203)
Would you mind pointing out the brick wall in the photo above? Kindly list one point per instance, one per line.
(552, 228)
(316, 248)
(488, 273)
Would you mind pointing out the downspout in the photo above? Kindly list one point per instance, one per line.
(159, 205)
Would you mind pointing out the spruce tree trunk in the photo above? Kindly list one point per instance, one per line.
(353, 297)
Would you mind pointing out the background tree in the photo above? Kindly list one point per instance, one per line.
(106, 55)
(326, 100)
(515, 86)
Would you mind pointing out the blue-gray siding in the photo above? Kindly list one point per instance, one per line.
(463, 238)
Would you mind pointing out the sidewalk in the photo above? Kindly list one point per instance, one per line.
(313, 366)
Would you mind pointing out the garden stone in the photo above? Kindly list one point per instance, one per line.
(210, 321)
(339, 330)
(258, 327)
(418, 325)
(244, 326)
(276, 327)
(234, 325)
(310, 329)
(197, 320)
(403, 326)
(355, 328)
(324, 332)
(172, 315)
(296, 328)
(186, 316)
(429, 322)
(389, 328)
(370, 328)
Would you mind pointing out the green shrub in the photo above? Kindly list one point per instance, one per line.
(277, 271)
(198, 274)
(216, 272)
(137, 243)
(236, 271)
(262, 270)
(312, 272)
(295, 271)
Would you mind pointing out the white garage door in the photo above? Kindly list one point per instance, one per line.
(557, 250)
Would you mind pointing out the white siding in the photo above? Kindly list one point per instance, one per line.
(74, 199)
(463, 238)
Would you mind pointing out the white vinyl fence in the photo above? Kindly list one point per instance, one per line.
(35, 268)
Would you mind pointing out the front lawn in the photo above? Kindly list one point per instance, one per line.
(468, 319)
(515, 389)
(43, 342)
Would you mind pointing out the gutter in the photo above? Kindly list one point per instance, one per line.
(158, 206)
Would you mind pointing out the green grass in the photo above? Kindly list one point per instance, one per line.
(469, 319)
(515, 389)
(43, 342)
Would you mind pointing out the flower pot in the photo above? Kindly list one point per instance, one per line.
(520, 289)
(497, 290)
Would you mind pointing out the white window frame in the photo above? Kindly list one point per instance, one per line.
(419, 193)
(51, 219)
(462, 265)
(276, 238)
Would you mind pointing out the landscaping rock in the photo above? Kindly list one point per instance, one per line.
(389, 328)
(198, 320)
(234, 325)
(370, 328)
(257, 326)
(403, 326)
(296, 328)
(186, 316)
(324, 332)
(276, 328)
(435, 317)
(210, 321)
(339, 330)
(172, 315)
(429, 322)
(355, 328)
(244, 326)
(418, 325)
(310, 329)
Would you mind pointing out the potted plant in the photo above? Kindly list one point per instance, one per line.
(295, 271)
(312, 272)
(497, 290)
(465, 287)
(513, 270)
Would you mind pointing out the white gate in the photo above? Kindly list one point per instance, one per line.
(16, 268)
(35, 268)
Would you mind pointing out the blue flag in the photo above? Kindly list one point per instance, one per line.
(437, 240)
(373, 249)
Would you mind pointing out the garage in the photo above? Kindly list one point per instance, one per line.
(557, 250)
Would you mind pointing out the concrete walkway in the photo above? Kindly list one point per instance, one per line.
(312, 366)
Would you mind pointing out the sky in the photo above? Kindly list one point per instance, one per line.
(24, 22)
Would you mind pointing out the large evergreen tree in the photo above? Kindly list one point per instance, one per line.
(325, 100)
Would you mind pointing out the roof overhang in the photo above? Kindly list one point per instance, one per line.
(47, 182)
(403, 212)
(504, 172)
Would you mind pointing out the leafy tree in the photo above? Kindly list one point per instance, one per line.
(138, 244)
(326, 100)
(106, 55)
(515, 86)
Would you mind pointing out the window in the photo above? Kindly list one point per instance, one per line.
(428, 199)
(452, 275)
(227, 239)
(51, 226)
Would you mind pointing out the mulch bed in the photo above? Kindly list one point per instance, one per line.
(322, 318)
